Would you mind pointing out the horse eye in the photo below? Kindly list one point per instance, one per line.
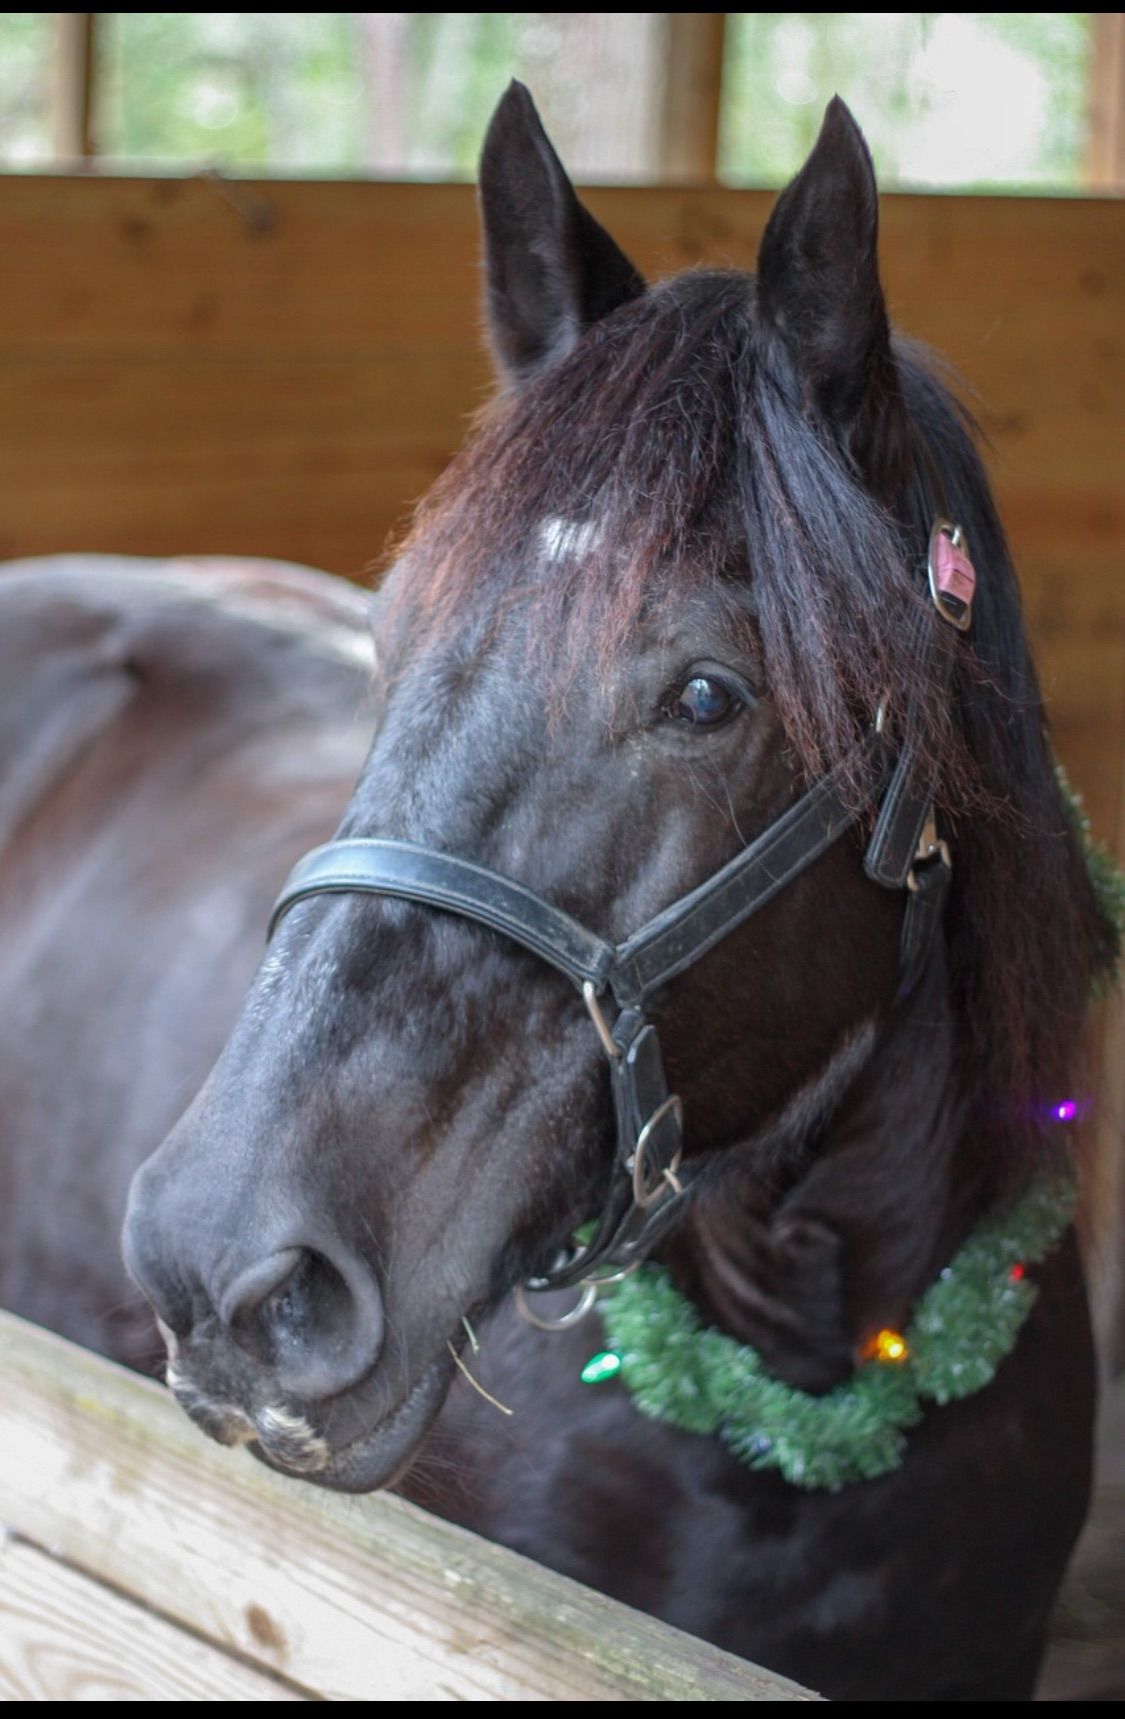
(705, 702)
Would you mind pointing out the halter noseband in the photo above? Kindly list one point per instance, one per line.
(904, 852)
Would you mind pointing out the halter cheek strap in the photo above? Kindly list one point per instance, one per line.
(647, 1188)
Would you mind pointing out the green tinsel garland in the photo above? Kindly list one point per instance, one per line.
(1105, 875)
(681, 1371)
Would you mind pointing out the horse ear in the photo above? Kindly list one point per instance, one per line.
(550, 269)
(818, 287)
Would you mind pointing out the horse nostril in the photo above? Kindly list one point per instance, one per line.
(316, 1321)
(253, 1287)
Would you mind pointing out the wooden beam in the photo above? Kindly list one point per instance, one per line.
(73, 91)
(693, 85)
(1105, 156)
(348, 1598)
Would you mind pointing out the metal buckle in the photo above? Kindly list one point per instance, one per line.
(643, 1194)
(957, 611)
(930, 846)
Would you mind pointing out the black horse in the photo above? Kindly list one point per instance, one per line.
(669, 599)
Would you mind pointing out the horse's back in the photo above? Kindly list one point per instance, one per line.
(172, 736)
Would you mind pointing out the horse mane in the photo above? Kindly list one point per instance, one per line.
(672, 457)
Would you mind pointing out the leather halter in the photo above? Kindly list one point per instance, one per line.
(648, 1189)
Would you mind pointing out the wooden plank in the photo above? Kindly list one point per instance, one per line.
(65, 1637)
(693, 88)
(353, 1598)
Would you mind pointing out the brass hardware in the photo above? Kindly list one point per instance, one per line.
(578, 1311)
(930, 846)
(594, 1010)
(642, 1193)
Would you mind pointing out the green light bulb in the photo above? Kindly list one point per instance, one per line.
(601, 1367)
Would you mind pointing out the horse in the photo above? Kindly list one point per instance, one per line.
(173, 736)
(705, 944)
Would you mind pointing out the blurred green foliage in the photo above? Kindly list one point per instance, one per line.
(405, 93)
(966, 99)
(26, 40)
(256, 89)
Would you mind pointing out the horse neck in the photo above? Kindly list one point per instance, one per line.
(865, 1220)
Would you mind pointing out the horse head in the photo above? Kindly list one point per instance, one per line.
(670, 586)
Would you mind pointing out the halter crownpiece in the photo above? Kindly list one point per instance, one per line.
(904, 853)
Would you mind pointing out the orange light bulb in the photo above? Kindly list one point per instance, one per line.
(890, 1346)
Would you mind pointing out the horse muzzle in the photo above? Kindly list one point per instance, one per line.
(276, 1345)
(288, 1440)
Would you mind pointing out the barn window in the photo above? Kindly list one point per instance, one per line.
(956, 100)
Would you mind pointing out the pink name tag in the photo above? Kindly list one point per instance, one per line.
(953, 579)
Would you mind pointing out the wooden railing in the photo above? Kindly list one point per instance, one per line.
(139, 1560)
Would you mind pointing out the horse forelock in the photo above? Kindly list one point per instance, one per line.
(660, 458)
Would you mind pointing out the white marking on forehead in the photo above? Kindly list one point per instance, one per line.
(566, 539)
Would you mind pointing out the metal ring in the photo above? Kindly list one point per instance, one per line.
(642, 1194)
(605, 1278)
(578, 1311)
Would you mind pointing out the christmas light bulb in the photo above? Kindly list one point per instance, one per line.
(890, 1346)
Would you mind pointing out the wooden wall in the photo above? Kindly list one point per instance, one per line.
(282, 368)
